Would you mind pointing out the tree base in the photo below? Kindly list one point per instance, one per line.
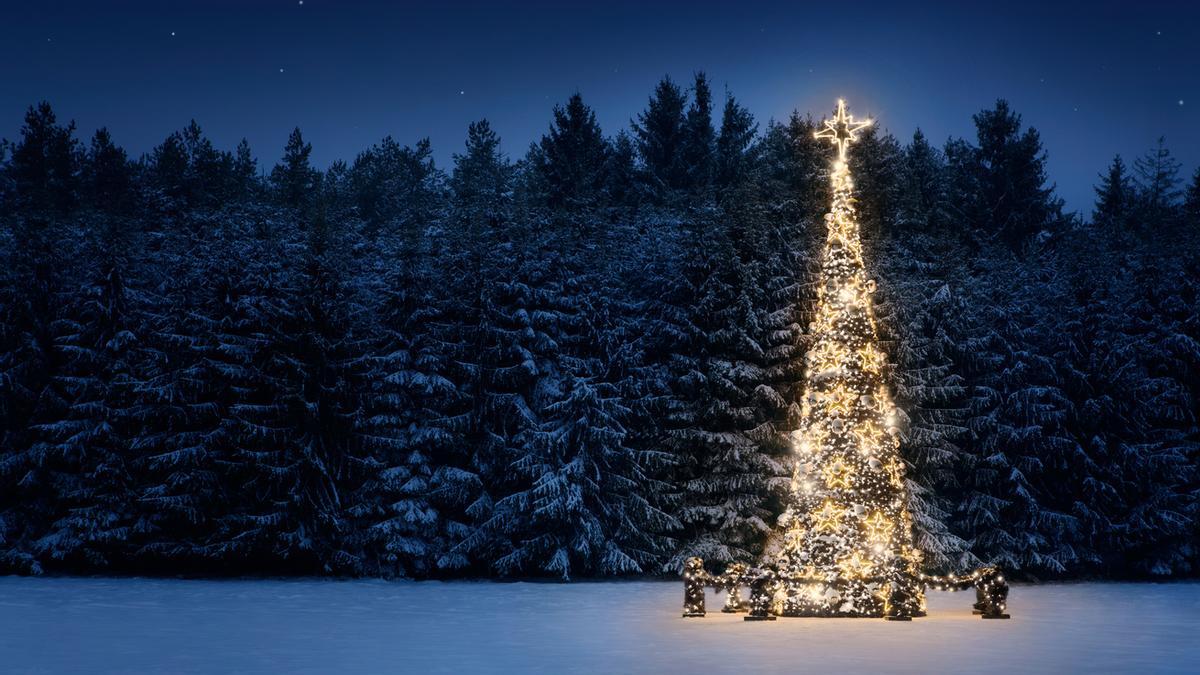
(693, 615)
(758, 618)
(898, 618)
(996, 616)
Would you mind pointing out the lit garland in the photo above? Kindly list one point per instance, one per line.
(846, 545)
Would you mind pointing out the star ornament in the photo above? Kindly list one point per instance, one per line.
(855, 565)
(826, 518)
(840, 400)
(838, 475)
(841, 129)
(871, 359)
(879, 528)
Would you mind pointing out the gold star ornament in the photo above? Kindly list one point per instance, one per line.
(841, 129)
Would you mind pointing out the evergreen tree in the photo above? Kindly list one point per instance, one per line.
(922, 200)
(92, 438)
(108, 176)
(1020, 447)
(1158, 187)
(1010, 168)
(38, 284)
(736, 156)
(294, 179)
(1114, 198)
(209, 172)
(571, 160)
(660, 134)
(620, 173)
(406, 465)
(245, 171)
(1191, 206)
(45, 164)
(483, 320)
(878, 165)
(698, 152)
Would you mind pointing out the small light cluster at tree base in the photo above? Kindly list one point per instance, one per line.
(844, 545)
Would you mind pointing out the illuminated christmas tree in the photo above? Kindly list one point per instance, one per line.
(845, 545)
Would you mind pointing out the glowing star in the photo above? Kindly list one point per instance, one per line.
(879, 529)
(824, 356)
(867, 437)
(841, 129)
(826, 519)
(796, 538)
(841, 400)
(838, 475)
(871, 359)
(818, 437)
(855, 565)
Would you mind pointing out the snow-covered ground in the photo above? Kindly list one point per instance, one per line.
(144, 625)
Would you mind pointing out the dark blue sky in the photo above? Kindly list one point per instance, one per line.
(1097, 81)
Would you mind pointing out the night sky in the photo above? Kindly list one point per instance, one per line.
(1097, 82)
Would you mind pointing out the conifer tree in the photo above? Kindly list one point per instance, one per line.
(1010, 170)
(484, 335)
(406, 464)
(36, 471)
(293, 178)
(660, 135)
(847, 522)
(922, 200)
(571, 160)
(108, 177)
(1114, 198)
(1191, 206)
(245, 171)
(698, 153)
(1158, 187)
(45, 163)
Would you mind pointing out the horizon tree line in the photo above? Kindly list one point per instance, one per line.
(583, 362)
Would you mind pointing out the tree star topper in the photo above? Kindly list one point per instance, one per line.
(841, 129)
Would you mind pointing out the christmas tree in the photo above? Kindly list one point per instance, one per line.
(846, 545)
